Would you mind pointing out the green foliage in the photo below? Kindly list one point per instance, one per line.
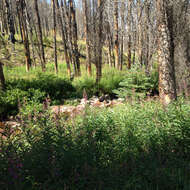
(141, 146)
(36, 90)
(111, 80)
(56, 88)
(138, 84)
(12, 98)
(84, 83)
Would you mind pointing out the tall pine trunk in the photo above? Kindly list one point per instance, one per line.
(86, 25)
(116, 28)
(99, 43)
(22, 11)
(39, 35)
(63, 35)
(167, 85)
(2, 78)
(129, 33)
(55, 37)
(75, 37)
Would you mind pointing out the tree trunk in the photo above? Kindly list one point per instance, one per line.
(129, 33)
(21, 8)
(147, 17)
(39, 35)
(116, 28)
(86, 25)
(54, 37)
(2, 78)
(99, 43)
(63, 31)
(139, 33)
(167, 85)
(75, 37)
(10, 21)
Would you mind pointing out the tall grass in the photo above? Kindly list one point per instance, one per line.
(141, 146)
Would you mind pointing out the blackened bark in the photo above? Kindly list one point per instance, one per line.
(2, 78)
(39, 35)
(63, 35)
(167, 85)
(54, 37)
(88, 52)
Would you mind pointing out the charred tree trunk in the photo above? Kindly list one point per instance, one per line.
(63, 32)
(116, 28)
(147, 55)
(2, 78)
(122, 33)
(86, 24)
(75, 37)
(21, 8)
(10, 21)
(99, 43)
(39, 35)
(129, 33)
(167, 85)
(54, 37)
(139, 33)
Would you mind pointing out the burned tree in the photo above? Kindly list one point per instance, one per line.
(167, 85)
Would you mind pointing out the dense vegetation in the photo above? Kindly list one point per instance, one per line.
(140, 146)
(94, 94)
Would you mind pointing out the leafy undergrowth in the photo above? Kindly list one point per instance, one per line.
(35, 87)
(140, 146)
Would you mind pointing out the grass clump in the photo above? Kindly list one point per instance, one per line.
(139, 146)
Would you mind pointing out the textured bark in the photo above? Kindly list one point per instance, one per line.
(63, 32)
(19, 20)
(110, 46)
(29, 21)
(10, 21)
(116, 28)
(54, 37)
(147, 17)
(39, 35)
(122, 35)
(129, 33)
(99, 43)
(167, 86)
(75, 38)
(21, 5)
(2, 78)
(139, 32)
(86, 25)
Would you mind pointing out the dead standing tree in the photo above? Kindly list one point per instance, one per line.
(10, 19)
(21, 6)
(86, 25)
(55, 36)
(116, 28)
(62, 27)
(74, 37)
(4, 55)
(39, 36)
(167, 85)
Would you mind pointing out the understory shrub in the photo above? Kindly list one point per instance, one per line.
(141, 146)
(36, 90)
(138, 84)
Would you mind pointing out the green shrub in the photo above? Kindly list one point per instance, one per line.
(138, 84)
(84, 83)
(56, 88)
(111, 80)
(11, 99)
